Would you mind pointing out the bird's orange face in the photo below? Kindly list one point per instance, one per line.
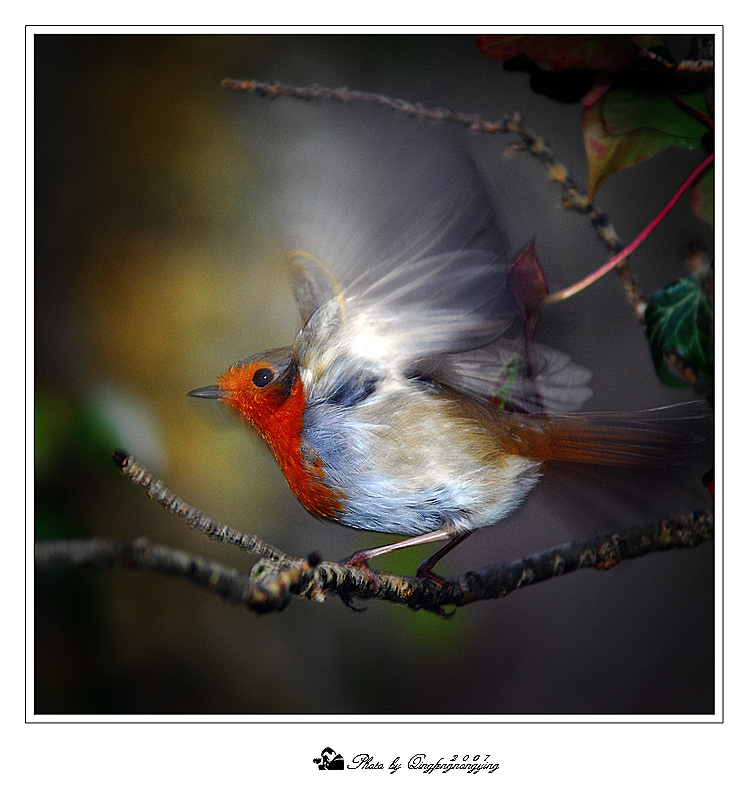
(256, 391)
(273, 402)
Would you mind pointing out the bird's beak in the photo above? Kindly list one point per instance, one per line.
(208, 392)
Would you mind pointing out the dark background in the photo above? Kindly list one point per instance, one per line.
(157, 265)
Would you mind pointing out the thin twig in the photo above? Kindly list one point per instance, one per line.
(602, 552)
(195, 518)
(344, 95)
(701, 65)
(579, 201)
(277, 576)
(570, 291)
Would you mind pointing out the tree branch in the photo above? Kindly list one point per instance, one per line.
(275, 579)
(260, 596)
(594, 276)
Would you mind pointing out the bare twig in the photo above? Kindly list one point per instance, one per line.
(343, 95)
(195, 518)
(602, 552)
(700, 65)
(594, 276)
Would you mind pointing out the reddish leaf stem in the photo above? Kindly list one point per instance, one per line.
(609, 265)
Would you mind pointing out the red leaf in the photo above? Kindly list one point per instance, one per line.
(528, 285)
(564, 51)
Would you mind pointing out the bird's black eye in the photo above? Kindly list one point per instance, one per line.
(262, 377)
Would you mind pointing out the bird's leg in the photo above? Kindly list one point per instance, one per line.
(424, 570)
(360, 559)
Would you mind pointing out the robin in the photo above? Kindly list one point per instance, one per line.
(406, 404)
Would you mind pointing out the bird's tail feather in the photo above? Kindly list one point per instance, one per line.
(654, 437)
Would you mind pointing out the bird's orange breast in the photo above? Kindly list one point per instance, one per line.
(278, 418)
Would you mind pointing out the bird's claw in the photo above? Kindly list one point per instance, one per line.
(357, 562)
(424, 573)
(347, 601)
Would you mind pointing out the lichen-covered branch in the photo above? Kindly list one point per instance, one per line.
(276, 578)
(602, 552)
(140, 554)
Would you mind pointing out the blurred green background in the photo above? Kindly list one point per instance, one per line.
(156, 267)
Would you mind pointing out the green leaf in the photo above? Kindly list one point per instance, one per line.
(627, 126)
(606, 153)
(679, 319)
(627, 110)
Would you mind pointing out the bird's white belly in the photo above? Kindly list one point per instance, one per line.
(404, 465)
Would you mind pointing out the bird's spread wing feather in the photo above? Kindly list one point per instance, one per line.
(541, 381)
(399, 260)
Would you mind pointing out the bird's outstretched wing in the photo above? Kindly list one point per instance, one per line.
(540, 380)
(399, 261)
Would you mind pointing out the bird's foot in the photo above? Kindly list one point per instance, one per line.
(360, 561)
